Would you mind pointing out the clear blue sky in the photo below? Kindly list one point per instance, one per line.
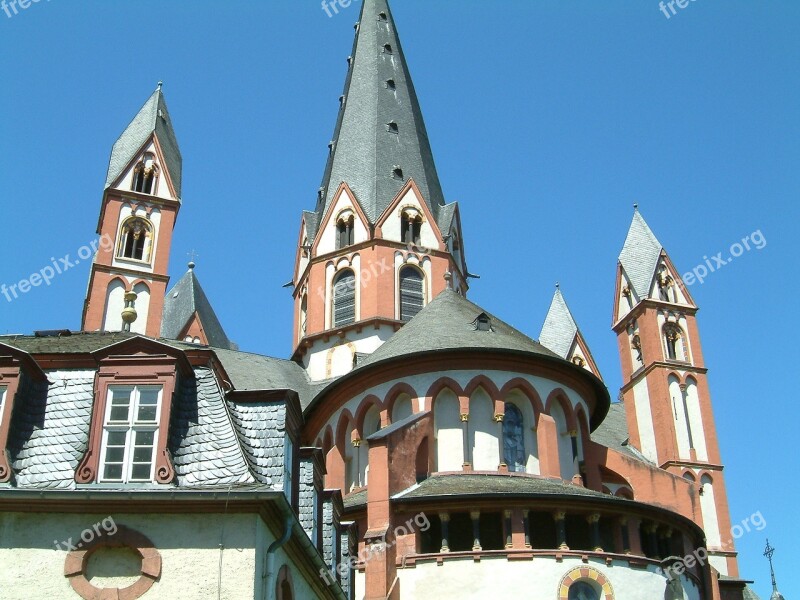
(548, 120)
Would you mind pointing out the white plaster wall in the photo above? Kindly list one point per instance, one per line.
(402, 408)
(644, 420)
(537, 579)
(315, 361)
(624, 306)
(565, 460)
(142, 308)
(188, 544)
(372, 423)
(447, 433)
(483, 432)
(115, 302)
(708, 508)
(681, 425)
(696, 420)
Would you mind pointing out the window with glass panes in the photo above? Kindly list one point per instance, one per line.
(130, 431)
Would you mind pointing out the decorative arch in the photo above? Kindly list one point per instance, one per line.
(560, 396)
(525, 387)
(490, 388)
(343, 305)
(439, 385)
(411, 291)
(345, 419)
(135, 239)
(588, 574)
(145, 174)
(449, 451)
(394, 393)
(368, 402)
(284, 588)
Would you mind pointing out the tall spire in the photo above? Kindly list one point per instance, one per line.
(640, 255)
(152, 118)
(380, 141)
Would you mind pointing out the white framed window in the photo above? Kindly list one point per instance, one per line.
(130, 433)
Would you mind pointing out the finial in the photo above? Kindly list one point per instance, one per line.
(192, 255)
(160, 83)
(558, 285)
(635, 206)
(129, 312)
(448, 277)
(768, 552)
(191, 265)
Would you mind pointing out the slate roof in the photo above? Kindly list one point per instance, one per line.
(49, 430)
(749, 594)
(182, 302)
(364, 151)
(640, 255)
(203, 444)
(477, 486)
(152, 118)
(559, 329)
(448, 323)
(613, 433)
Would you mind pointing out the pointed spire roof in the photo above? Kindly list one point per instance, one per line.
(152, 118)
(185, 300)
(380, 127)
(559, 329)
(640, 255)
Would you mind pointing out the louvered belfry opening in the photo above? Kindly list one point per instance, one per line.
(412, 293)
(344, 298)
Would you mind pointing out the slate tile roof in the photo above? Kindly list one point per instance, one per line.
(204, 447)
(559, 329)
(613, 433)
(640, 255)
(260, 427)
(50, 430)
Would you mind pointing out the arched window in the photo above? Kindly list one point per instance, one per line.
(583, 590)
(674, 343)
(135, 240)
(344, 231)
(344, 298)
(412, 292)
(513, 439)
(411, 227)
(144, 174)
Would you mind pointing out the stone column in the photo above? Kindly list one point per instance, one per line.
(444, 518)
(626, 536)
(594, 521)
(502, 465)
(357, 457)
(475, 515)
(465, 441)
(507, 520)
(561, 530)
(526, 524)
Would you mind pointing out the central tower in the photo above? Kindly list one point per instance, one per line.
(381, 242)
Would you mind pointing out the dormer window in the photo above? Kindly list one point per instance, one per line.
(482, 323)
(145, 174)
(411, 227)
(136, 239)
(130, 429)
(344, 230)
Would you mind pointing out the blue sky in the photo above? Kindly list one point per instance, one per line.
(548, 120)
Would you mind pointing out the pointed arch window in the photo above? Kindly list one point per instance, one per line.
(674, 343)
(136, 239)
(145, 174)
(344, 298)
(411, 227)
(344, 231)
(513, 439)
(412, 292)
(303, 315)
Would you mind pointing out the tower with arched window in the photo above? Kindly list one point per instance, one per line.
(665, 391)
(138, 211)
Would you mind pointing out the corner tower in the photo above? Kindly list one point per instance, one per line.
(664, 385)
(138, 211)
(381, 242)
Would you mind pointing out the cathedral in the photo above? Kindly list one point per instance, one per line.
(412, 446)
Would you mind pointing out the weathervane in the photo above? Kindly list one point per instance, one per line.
(768, 552)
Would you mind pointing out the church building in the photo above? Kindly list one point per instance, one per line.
(413, 445)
